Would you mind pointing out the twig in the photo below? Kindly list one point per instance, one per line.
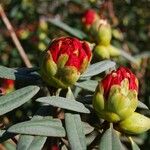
(112, 13)
(14, 38)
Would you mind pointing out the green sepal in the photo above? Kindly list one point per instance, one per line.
(101, 52)
(135, 124)
(120, 105)
(64, 78)
(68, 75)
(51, 80)
(84, 65)
(121, 100)
(98, 101)
(109, 116)
(113, 51)
(62, 60)
(48, 65)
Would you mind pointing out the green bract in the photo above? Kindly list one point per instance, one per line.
(135, 124)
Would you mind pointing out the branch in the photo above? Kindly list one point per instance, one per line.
(15, 38)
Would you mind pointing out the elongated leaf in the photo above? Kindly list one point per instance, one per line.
(43, 127)
(75, 131)
(90, 137)
(65, 103)
(18, 74)
(134, 145)
(110, 141)
(17, 98)
(128, 56)
(89, 85)
(87, 128)
(142, 105)
(4, 135)
(145, 54)
(29, 142)
(99, 67)
(9, 146)
(65, 27)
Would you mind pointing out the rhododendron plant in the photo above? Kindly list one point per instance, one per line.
(62, 81)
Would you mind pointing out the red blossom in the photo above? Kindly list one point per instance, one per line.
(76, 50)
(89, 17)
(115, 78)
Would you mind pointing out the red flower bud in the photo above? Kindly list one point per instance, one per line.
(65, 59)
(115, 98)
(7, 86)
(116, 77)
(89, 17)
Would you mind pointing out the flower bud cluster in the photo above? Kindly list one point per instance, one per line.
(115, 100)
(101, 32)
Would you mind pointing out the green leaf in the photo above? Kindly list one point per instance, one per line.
(42, 127)
(87, 128)
(75, 32)
(99, 67)
(7, 73)
(4, 135)
(89, 85)
(9, 146)
(91, 137)
(75, 132)
(17, 98)
(134, 145)
(65, 103)
(110, 141)
(145, 54)
(18, 74)
(29, 142)
(128, 56)
(142, 105)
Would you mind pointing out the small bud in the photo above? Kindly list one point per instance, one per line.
(89, 17)
(104, 34)
(101, 32)
(116, 95)
(135, 124)
(65, 59)
(101, 52)
(43, 25)
(23, 33)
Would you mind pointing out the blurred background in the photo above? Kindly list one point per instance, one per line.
(34, 24)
